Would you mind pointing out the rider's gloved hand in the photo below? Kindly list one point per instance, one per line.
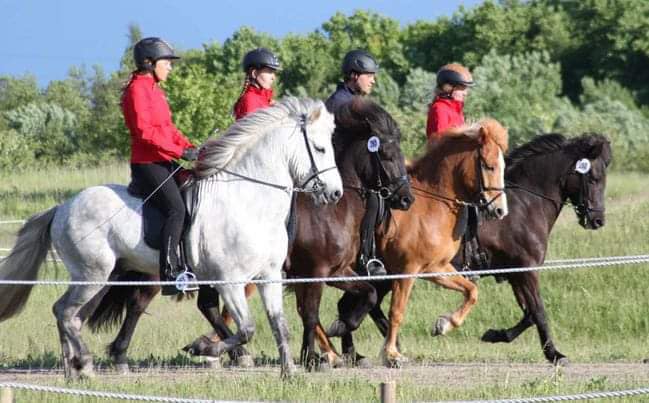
(190, 154)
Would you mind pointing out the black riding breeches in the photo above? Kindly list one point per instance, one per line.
(170, 203)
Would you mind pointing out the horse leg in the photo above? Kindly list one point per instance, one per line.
(400, 294)
(379, 318)
(509, 335)
(271, 296)
(533, 301)
(208, 304)
(135, 307)
(446, 323)
(77, 360)
(227, 319)
(326, 347)
(308, 298)
(234, 298)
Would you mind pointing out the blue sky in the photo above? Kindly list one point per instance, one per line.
(45, 38)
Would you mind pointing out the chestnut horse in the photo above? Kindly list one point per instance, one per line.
(465, 166)
(327, 241)
(541, 176)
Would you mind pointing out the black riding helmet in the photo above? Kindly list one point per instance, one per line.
(359, 61)
(149, 50)
(455, 75)
(260, 57)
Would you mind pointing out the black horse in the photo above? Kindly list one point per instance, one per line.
(369, 168)
(541, 177)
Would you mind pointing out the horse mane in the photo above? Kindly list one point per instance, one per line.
(354, 118)
(491, 128)
(216, 153)
(551, 142)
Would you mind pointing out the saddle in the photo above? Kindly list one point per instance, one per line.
(152, 218)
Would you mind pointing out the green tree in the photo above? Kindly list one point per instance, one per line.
(18, 91)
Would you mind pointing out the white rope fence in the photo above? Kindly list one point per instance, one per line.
(144, 398)
(581, 396)
(106, 395)
(570, 264)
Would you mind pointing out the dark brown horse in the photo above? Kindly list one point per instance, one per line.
(541, 177)
(327, 240)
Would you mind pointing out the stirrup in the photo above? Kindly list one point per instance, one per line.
(186, 281)
(375, 267)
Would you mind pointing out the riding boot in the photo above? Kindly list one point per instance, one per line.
(169, 269)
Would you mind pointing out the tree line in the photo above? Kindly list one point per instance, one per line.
(541, 66)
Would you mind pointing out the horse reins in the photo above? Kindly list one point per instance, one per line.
(315, 173)
(482, 203)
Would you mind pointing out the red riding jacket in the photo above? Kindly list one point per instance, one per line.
(154, 137)
(443, 114)
(251, 100)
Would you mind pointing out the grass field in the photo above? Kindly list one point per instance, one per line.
(596, 316)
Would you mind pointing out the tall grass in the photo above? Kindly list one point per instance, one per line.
(595, 314)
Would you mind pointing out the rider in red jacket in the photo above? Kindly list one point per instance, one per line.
(260, 66)
(155, 144)
(447, 109)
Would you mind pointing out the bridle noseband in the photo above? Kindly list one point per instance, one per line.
(318, 184)
(393, 185)
(483, 201)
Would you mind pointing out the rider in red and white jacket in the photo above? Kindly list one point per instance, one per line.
(260, 66)
(155, 144)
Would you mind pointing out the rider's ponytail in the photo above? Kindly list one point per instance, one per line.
(246, 84)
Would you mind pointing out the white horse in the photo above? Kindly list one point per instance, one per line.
(238, 230)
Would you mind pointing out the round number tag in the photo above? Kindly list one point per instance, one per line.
(583, 166)
(373, 144)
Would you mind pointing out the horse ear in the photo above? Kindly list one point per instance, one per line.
(315, 114)
(482, 135)
(595, 151)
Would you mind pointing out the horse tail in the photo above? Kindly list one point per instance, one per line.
(23, 262)
(113, 304)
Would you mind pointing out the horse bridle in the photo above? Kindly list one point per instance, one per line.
(318, 184)
(582, 207)
(393, 185)
(483, 202)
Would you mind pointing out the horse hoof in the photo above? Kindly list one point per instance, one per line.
(334, 360)
(198, 346)
(364, 363)
(213, 362)
(245, 361)
(337, 328)
(562, 362)
(288, 371)
(323, 366)
(122, 369)
(394, 361)
(441, 326)
(492, 336)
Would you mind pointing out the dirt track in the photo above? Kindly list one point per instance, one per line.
(443, 374)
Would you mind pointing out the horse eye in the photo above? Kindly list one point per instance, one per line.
(319, 149)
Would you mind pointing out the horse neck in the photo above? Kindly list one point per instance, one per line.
(346, 160)
(267, 160)
(445, 174)
(541, 174)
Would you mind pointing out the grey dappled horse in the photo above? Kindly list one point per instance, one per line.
(237, 233)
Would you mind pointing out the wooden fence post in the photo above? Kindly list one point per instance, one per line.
(388, 392)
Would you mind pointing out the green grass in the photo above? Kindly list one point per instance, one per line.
(595, 315)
